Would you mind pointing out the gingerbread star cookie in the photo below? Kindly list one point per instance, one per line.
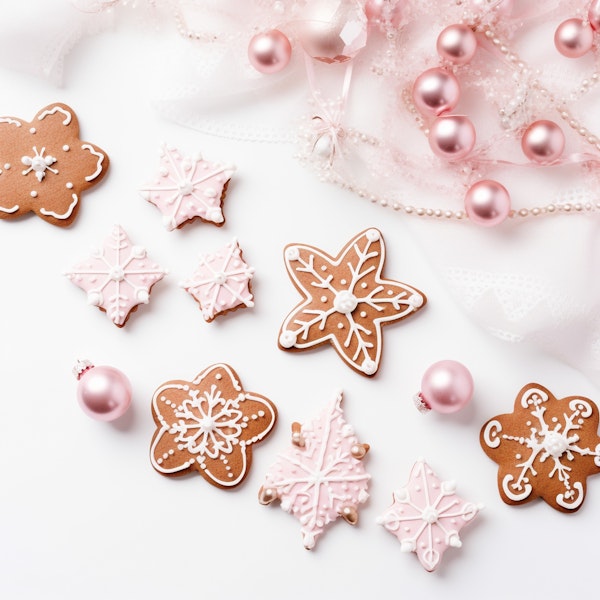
(321, 476)
(44, 166)
(346, 300)
(427, 515)
(546, 448)
(188, 188)
(221, 282)
(117, 277)
(209, 425)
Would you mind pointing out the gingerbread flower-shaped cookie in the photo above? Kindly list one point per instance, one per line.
(321, 477)
(209, 425)
(346, 300)
(427, 515)
(188, 188)
(44, 166)
(545, 448)
(117, 277)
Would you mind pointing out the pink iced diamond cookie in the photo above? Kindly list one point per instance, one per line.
(117, 276)
(321, 477)
(188, 188)
(427, 516)
(221, 282)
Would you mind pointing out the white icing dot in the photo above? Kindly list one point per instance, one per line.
(323, 267)
(165, 456)
(32, 130)
(368, 366)
(287, 338)
(138, 252)
(363, 285)
(34, 194)
(218, 376)
(159, 461)
(261, 413)
(323, 298)
(230, 475)
(7, 166)
(254, 417)
(171, 451)
(416, 301)
(343, 281)
(69, 185)
(373, 235)
(292, 253)
(363, 314)
(66, 148)
(340, 326)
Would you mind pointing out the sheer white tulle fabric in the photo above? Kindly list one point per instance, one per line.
(528, 281)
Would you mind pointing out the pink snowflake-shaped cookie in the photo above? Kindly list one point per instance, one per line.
(117, 277)
(221, 282)
(321, 477)
(345, 301)
(188, 188)
(427, 515)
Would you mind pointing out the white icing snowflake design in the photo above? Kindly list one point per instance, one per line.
(427, 516)
(346, 301)
(321, 477)
(209, 425)
(221, 282)
(117, 277)
(39, 164)
(188, 187)
(546, 448)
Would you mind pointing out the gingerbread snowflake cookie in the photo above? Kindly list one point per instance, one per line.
(221, 282)
(117, 276)
(427, 515)
(188, 188)
(346, 300)
(321, 477)
(44, 166)
(209, 425)
(546, 448)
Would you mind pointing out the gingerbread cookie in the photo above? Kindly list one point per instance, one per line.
(545, 448)
(44, 166)
(345, 300)
(321, 477)
(117, 277)
(427, 515)
(188, 188)
(209, 425)
(221, 282)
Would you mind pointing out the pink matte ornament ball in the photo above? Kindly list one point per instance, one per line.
(446, 387)
(452, 136)
(487, 203)
(457, 44)
(103, 392)
(269, 52)
(574, 38)
(436, 91)
(543, 142)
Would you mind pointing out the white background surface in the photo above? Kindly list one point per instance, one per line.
(84, 515)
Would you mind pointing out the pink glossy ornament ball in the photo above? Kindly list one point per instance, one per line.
(487, 203)
(457, 44)
(594, 15)
(446, 387)
(574, 38)
(543, 142)
(436, 91)
(103, 392)
(269, 52)
(452, 136)
(380, 12)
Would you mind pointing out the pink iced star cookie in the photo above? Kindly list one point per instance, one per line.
(117, 276)
(427, 516)
(345, 300)
(221, 282)
(321, 477)
(188, 188)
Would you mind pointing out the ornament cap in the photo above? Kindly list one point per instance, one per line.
(81, 367)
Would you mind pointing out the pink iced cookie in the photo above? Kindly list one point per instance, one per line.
(321, 477)
(188, 188)
(117, 276)
(221, 282)
(427, 515)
